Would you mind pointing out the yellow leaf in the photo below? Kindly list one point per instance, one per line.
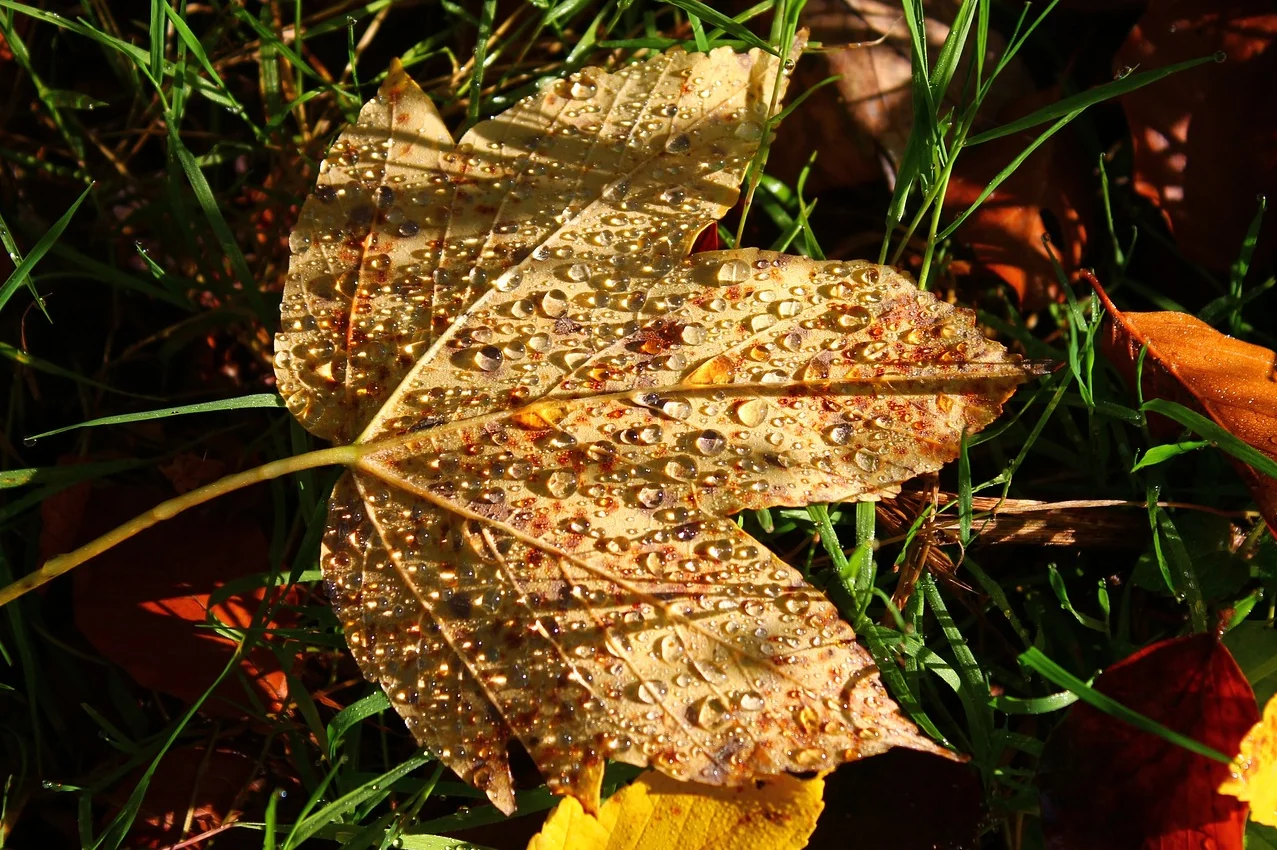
(656, 812)
(1254, 771)
(556, 411)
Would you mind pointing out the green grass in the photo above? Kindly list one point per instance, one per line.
(153, 291)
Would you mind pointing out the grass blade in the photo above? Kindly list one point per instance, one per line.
(247, 402)
(22, 274)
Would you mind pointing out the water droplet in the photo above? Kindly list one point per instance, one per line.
(673, 197)
(809, 757)
(750, 412)
(749, 131)
(795, 604)
(554, 303)
(676, 408)
(761, 322)
(652, 691)
(582, 90)
(508, 282)
(751, 701)
(681, 468)
(578, 272)
(871, 351)
(617, 191)
(488, 358)
(668, 648)
(788, 309)
(651, 496)
(409, 228)
(561, 483)
(839, 435)
(710, 443)
(718, 550)
(678, 143)
(733, 271)
(866, 460)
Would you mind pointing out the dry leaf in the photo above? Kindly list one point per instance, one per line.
(860, 125)
(656, 813)
(1005, 234)
(1188, 361)
(558, 410)
(1253, 778)
(1204, 146)
(145, 610)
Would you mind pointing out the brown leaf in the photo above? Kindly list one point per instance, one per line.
(1188, 361)
(1206, 144)
(144, 610)
(558, 409)
(1005, 233)
(191, 785)
(1106, 785)
(860, 124)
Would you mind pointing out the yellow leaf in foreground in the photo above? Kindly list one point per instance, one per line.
(557, 410)
(1254, 771)
(658, 812)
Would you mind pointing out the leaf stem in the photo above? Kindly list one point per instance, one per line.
(54, 567)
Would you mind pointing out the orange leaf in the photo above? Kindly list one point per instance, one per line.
(143, 607)
(1254, 773)
(1188, 361)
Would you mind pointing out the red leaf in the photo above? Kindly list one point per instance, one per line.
(1205, 143)
(707, 240)
(1105, 784)
(143, 603)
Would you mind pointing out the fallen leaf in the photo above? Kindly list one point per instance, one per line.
(557, 409)
(1105, 784)
(144, 609)
(192, 784)
(1188, 361)
(656, 812)
(1206, 145)
(1005, 234)
(860, 125)
(1253, 778)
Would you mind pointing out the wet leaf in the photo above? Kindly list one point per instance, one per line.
(656, 812)
(1105, 784)
(558, 409)
(1253, 778)
(1188, 361)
